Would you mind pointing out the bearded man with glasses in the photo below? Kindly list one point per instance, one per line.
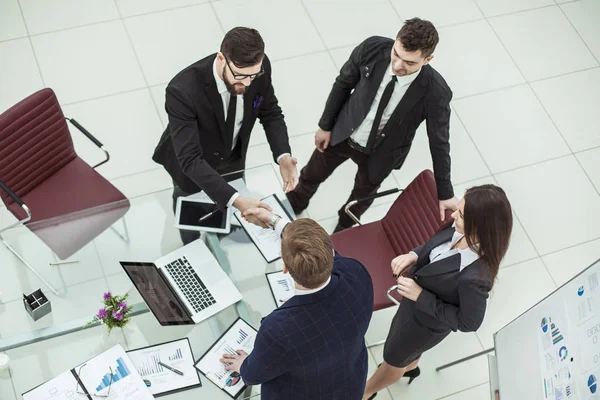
(212, 106)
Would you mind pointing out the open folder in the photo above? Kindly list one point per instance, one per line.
(109, 374)
(266, 240)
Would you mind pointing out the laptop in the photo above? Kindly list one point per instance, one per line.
(184, 287)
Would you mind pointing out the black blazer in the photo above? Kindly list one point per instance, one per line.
(427, 98)
(450, 298)
(195, 141)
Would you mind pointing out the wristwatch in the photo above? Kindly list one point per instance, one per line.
(273, 220)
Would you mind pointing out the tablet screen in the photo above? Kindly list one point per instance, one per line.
(191, 212)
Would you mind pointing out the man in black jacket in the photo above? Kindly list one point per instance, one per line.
(212, 106)
(383, 93)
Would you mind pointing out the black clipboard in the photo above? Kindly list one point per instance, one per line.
(243, 388)
(250, 236)
(199, 384)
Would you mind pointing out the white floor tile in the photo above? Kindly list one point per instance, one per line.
(521, 134)
(373, 364)
(492, 7)
(129, 8)
(565, 264)
(538, 192)
(466, 165)
(6, 388)
(11, 20)
(341, 26)
(590, 161)
(517, 288)
(20, 77)
(143, 183)
(195, 31)
(94, 61)
(380, 325)
(302, 104)
(53, 15)
(484, 65)
(477, 393)
(433, 385)
(158, 95)
(572, 103)
(439, 12)
(549, 32)
(583, 15)
(271, 19)
(341, 55)
(133, 123)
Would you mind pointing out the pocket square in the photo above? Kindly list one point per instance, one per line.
(257, 102)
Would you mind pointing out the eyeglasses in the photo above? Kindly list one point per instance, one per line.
(241, 77)
(95, 395)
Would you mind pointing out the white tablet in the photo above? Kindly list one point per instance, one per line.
(201, 215)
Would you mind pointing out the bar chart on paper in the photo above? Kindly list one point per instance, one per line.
(120, 372)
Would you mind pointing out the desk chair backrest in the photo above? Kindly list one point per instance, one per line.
(34, 143)
(414, 217)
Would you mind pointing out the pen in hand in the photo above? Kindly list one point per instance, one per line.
(170, 368)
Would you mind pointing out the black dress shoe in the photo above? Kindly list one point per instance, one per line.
(412, 374)
(372, 397)
(339, 228)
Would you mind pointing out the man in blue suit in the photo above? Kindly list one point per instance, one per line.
(312, 347)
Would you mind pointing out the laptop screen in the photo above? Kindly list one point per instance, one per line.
(157, 293)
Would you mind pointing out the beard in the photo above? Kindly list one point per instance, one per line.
(234, 88)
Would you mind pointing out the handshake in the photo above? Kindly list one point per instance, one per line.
(254, 211)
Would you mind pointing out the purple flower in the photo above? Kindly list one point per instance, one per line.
(102, 313)
(122, 305)
(107, 296)
(117, 315)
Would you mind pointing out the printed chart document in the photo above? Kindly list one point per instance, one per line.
(282, 286)
(266, 240)
(239, 336)
(110, 374)
(177, 355)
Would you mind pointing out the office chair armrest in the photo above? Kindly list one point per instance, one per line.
(389, 295)
(371, 197)
(20, 202)
(92, 138)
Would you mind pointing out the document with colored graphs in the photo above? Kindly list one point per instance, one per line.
(239, 336)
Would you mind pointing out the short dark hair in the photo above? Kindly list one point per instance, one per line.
(307, 252)
(488, 219)
(244, 47)
(418, 34)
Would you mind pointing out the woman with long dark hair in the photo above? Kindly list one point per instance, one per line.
(445, 283)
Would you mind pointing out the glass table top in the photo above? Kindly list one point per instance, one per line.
(56, 342)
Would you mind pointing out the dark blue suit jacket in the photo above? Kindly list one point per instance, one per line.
(313, 347)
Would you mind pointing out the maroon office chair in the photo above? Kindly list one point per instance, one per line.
(411, 221)
(46, 186)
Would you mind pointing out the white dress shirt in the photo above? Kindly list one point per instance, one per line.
(445, 250)
(279, 229)
(362, 133)
(239, 116)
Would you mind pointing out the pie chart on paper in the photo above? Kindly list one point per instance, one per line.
(544, 324)
(592, 383)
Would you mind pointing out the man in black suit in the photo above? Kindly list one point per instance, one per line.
(212, 106)
(383, 93)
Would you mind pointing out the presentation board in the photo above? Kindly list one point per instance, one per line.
(552, 351)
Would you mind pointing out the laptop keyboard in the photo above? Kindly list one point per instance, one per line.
(190, 284)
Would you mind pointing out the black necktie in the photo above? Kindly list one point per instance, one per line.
(385, 99)
(230, 121)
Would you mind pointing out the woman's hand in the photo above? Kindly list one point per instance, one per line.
(402, 262)
(408, 288)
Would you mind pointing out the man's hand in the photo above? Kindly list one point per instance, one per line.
(245, 203)
(408, 288)
(258, 216)
(402, 262)
(233, 362)
(322, 139)
(450, 204)
(289, 172)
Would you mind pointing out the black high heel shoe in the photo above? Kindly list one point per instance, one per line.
(412, 374)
